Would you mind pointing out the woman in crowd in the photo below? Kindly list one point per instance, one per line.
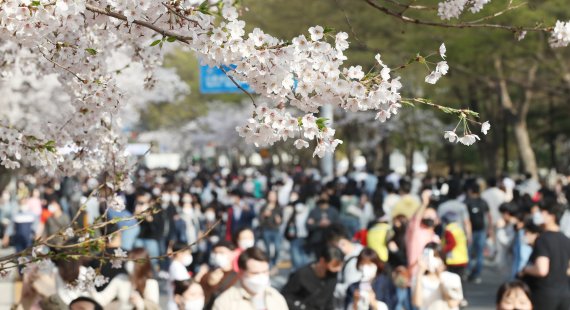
(137, 289)
(270, 220)
(433, 287)
(514, 295)
(243, 239)
(376, 290)
(188, 295)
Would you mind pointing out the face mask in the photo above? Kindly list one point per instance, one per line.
(175, 198)
(187, 260)
(130, 267)
(156, 191)
(537, 218)
(52, 208)
(165, 199)
(257, 283)
(428, 222)
(369, 272)
(246, 244)
(187, 199)
(210, 216)
(225, 217)
(433, 264)
(221, 260)
(196, 304)
(299, 207)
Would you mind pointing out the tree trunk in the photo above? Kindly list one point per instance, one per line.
(525, 148)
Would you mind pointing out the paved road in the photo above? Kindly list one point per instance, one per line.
(480, 296)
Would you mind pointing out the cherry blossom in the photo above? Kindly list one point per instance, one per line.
(451, 136)
(560, 35)
(469, 139)
(485, 127)
(450, 9)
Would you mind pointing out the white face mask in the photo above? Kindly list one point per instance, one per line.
(130, 267)
(221, 260)
(187, 199)
(299, 207)
(257, 283)
(210, 216)
(52, 208)
(196, 304)
(434, 264)
(369, 272)
(537, 218)
(165, 199)
(175, 198)
(156, 191)
(187, 260)
(246, 244)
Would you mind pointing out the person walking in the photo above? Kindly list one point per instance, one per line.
(481, 221)
(269, 221)
(548, 271)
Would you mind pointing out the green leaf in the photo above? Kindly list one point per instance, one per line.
(171, 39)
(156, 42)
(328, 29)
(36, 3)
(91, 51)
(300, 121)
(204, 8)
(321, 123)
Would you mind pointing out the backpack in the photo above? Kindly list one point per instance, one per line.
(477, 210)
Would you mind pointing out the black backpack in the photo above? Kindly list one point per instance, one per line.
(477, 213)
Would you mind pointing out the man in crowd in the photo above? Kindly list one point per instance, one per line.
(457, 207)
(313, 286)
(481, 220)
(549, 269)
(253, 290)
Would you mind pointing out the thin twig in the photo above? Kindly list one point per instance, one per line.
(238, 86)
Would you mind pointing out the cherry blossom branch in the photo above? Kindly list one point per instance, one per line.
(238, 86)
(164, 32)
(473, 24)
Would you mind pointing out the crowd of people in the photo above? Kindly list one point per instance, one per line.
(361, 241)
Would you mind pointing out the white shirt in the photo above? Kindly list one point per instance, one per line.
(494, 198)
(433, 292)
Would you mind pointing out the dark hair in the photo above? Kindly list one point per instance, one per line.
(405, 186)
(251, 253)
(235, 237)
(474, 187)
(551, 206)
(508, 207)
(436, 247)
(330, 253)
(491, 182)
(508, 286)
(68, 268)
(96, 305)
(368, 254)
(224, 244)
(142, 270)
(236, 192)
(336, 232)
(179, 247)
(182, 286)
(454, 188)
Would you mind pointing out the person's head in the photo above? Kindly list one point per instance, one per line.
(390, 188)
(142, 202)
(139, 268)
(331, 259)
(223, 255)
(514, 295)
(531, 232)
(175, 197)
(187, 198)
(323, 204)
(189, 295)
(68, 269)
(431, 257)
(114, 235)
(400, 223)
(473, 189)
(235, 196)
(210, 214)
(253, 264)
(369, 264)
(454, 190)
(272, 197)
(244, 238)
(507, 210)
(84, 303)
(492, 182)
(450, 217)
(551, 212)
(53, 206)
(429, 218)
(337, 235)
(182, 254)
(405, 186)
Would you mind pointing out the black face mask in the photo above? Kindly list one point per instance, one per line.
(428, 222)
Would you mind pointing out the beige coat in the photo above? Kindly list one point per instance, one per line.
(237, 298)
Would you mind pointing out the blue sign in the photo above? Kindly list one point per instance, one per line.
(214, 81)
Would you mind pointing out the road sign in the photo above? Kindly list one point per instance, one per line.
(214, 81)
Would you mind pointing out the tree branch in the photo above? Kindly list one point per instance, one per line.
(473, 24)
(504, 90)
(164, 32)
